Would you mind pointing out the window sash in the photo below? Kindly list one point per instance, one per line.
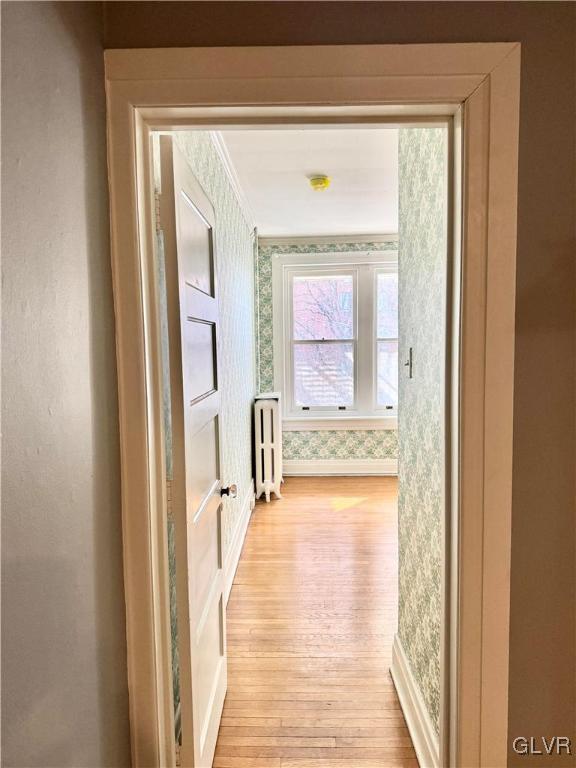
(328, 274)
(318, 271)
(388, 408)
(342, 406)
(380, 408)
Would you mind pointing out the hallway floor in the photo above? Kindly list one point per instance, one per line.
(311, 620)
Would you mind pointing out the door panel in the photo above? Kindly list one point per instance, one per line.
(203, 473)
(208, 557)
(201, 349)
(187, 221)
(195, 243)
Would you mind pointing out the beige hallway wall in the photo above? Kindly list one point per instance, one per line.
(542, 695)
(64, 690)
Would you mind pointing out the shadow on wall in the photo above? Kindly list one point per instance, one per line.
(108, 577)
(108, 581)
(64, 647)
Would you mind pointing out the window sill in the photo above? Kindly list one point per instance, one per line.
(333, 423)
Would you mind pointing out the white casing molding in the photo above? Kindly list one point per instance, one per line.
(422, 731)
(318, 467)
(235, 549)
(474, 88)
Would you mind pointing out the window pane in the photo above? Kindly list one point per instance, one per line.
(388, 373)
(387, 305)
(323, 307)
(324, 374)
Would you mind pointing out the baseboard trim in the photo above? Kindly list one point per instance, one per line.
(233, 557)
(424, 737)
(296, 467)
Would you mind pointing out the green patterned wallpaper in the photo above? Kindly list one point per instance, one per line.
(309, 445)
(422, 300)
(341, 444)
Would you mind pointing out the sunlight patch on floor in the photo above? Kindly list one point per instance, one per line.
(347, 502)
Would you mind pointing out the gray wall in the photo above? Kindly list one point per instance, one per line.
(542, 671)
(64, 691)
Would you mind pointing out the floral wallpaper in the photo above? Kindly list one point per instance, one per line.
(237, 376)
(340, 444)
(336, 444)
(161, 275)
(422, 299)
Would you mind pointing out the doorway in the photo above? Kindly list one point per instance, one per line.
(129, 129)
(309, 281)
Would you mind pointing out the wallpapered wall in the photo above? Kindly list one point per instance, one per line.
(422, 301)
(237, 376)
(308, 445)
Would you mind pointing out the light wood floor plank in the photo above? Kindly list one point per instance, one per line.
(311, 619)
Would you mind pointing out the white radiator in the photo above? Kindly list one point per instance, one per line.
(268, 444)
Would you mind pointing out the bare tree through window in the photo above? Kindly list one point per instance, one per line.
(323, 333)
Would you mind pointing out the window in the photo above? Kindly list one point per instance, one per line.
(387, 339)
(339, 344)
(323, 340)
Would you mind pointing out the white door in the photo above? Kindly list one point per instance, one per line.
(187, 220)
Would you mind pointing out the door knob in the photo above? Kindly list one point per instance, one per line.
(231, 491)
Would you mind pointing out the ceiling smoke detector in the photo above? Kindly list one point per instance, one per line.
(319, 182)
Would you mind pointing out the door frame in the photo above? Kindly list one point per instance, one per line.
(476, 86)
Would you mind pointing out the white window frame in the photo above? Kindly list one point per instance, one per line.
(364, 266)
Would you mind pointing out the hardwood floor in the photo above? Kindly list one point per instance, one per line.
(311, 619)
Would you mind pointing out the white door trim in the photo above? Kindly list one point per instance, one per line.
(215, 87)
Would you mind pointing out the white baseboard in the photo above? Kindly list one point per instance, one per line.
(422, 731)
(233, 556)
(340, 467)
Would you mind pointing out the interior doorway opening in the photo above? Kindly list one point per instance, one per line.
(309, 285)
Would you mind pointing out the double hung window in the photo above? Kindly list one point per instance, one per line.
(340, 340)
